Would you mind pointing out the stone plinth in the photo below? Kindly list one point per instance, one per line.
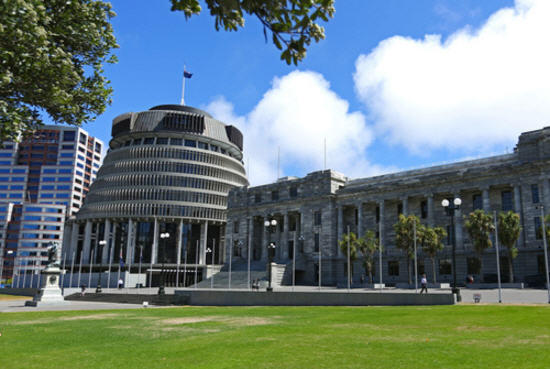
(50, 293)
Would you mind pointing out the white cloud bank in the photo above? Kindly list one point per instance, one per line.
(297, 114)
(477, 89)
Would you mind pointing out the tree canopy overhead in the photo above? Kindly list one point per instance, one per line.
(293, 23)
(51, 62)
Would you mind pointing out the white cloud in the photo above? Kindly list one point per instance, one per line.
(477, 89)
(297, 114)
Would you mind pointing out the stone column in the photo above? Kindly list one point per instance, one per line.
(458, 225)
(87, 242)
(74, 241)
(129, 242)
(180, 240)
(486, 199)
(519, 210)
(430, 200)
(265, 240)
(250, 231)
(340, 232)
(106, 238)
(381, 224)
(155, 247)
(203, 243)
(284, 246)
(359, 219)
(546, 195)
(405, 202)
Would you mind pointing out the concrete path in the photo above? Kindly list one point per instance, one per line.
(488, 296)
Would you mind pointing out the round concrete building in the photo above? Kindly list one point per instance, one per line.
(160, 197)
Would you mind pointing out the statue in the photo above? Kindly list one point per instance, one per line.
(52, 255)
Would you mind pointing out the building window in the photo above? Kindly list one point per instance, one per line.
(148, 140)
(445, 267)
(506, 197)
(449, 231)
(393, 268)
(236, 226)
(399, 209)
(538, 228)
(317, 218)
(82, 138)
(474, 265)
(190, 143)
(162, 141)
(378, 214)
(424, 209)
(203, 145)
(535, 193)
(275, 195)
(293, 191)
(97, 147)
(477, 202)
(257, 198)
(68, 136)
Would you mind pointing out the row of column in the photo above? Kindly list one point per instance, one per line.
(486, 205)
(110, 237)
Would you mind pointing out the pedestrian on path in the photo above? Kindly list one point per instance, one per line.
(424, 284)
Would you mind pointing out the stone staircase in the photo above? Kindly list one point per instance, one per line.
(282, 274)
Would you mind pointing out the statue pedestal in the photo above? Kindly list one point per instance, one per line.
(50, 293)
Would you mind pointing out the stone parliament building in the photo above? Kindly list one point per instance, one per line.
(314, 212)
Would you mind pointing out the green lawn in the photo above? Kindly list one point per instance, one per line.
(280, 337)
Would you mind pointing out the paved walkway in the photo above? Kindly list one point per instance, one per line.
(488, 296)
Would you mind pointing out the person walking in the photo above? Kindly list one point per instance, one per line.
(424, 284)
(120, 283)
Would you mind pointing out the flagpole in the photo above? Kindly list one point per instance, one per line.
(110, 261)
(72, 270)
(91, 266)
(196, 262)
(80, 268)
(183, 88)
(185, 265)
(140, 257)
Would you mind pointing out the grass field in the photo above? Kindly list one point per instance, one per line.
(279, 337)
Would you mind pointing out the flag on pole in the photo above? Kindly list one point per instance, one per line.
(186, 74)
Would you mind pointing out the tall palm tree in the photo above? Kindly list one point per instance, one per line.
(432, 243)
(368, 245)
(509, 230)
(404, 236)
(480, 226)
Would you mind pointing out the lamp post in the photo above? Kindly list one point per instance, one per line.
(270, 226)
(102, 243)
(301, 239)
(451, 208)
(9, 253)
(163, 237)
(545, 252)
(209, 251)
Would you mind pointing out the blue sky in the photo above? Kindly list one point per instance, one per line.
(396, 84)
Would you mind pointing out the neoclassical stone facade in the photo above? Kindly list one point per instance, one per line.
(168, 170)
(314, 212)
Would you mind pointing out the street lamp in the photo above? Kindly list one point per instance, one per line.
(163, 237)
(270, 226)
(10, 252)
(209, 251)
(101, 244)
(451, 208)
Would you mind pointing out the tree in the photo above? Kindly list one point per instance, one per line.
(292, 23)
(508, 234)
(404, 236)
(51, 56)
(432, 243)
(480, 226)
(368, 245)
(353, 243)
